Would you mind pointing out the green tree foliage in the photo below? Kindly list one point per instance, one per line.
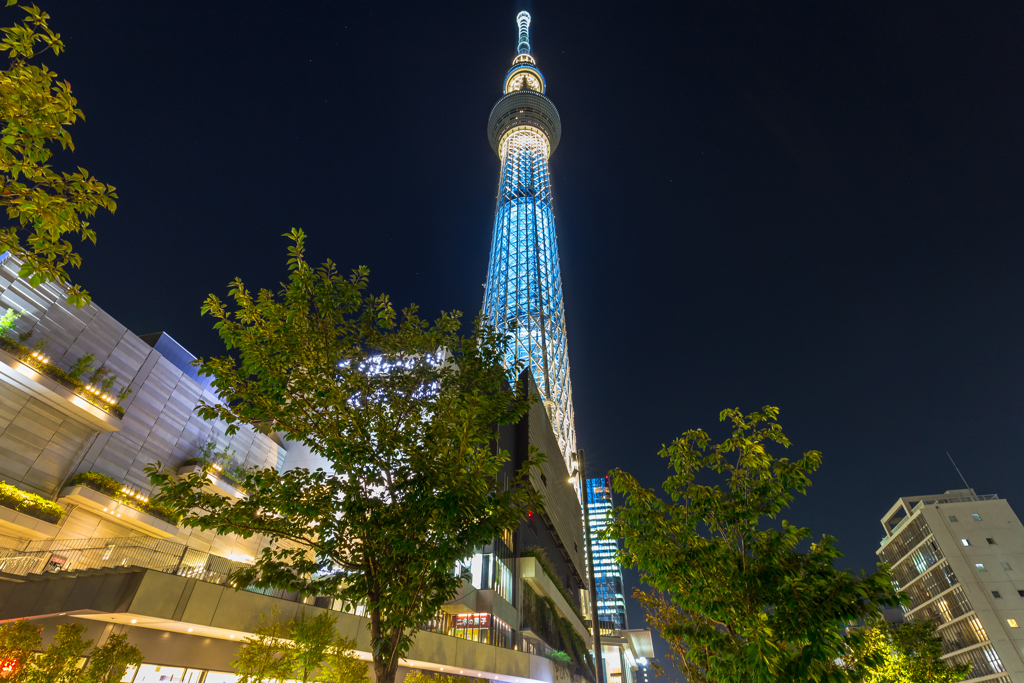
(44, 206)
(735, 597)
(108, 664)
(17, 641)
(7, 321)
(421, 677)
(404, 410)
(59, 663)
(264, 656)
(82, 366)
(304, 649)
(341, 664)
(908, 653)
(311, 640)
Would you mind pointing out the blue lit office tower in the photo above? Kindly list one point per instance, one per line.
(524, 288)
(611, 603)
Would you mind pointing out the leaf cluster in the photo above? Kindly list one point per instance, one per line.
(305, 649)
(60, 662)
(43, 206)
(405, 411)
(735, 595)
(24, 354)
(549, 568)
(30, 503)
(97, 481)
(908, 653)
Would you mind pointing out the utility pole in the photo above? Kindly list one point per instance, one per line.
(595, 622)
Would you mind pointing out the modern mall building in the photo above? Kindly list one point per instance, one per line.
(106, 557)
(960, 558)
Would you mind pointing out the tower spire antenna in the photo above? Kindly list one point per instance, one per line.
(523, 19)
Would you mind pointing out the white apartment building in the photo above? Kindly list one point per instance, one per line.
(960, 558)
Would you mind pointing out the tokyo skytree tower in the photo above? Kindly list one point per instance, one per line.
(524, 287)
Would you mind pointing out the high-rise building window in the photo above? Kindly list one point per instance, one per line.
(996, 595)
(980, 567)
(952, 518)
(991, 541)
(977, 518)
(1006, 566)
(964, 541)
(611, 602)
(1012, 623)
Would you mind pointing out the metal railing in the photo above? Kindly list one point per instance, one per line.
(23, 558)
(961, 499)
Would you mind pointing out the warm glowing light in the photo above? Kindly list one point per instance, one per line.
(190, 630)
(134, 620)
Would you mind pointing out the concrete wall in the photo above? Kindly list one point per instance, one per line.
(999, 523)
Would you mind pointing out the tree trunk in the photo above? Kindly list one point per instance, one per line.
(383, 672)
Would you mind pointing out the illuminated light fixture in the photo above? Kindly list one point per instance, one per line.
(190, 630)
(134, 620)
(231, 636)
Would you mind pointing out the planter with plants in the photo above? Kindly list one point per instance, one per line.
(219, 467)
(220, 482)
(540, 616)
(142, 514)
(96, 391)
(28, 514)
(545, 563)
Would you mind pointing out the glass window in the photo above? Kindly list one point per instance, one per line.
(215, 677)
(991, 541)
(1012, 623)
(977, 518)
(1006, 566)
(1020, 593)
(996, 595)
(503, 580)
(952, 518)
(980, 567)
(149, 673)
(964, 542)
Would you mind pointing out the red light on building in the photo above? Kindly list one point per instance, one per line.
(7, 667)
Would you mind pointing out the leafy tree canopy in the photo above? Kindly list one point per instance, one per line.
(59, 663)
(908, 653)
(736, 598)
(404, 410)
(44, 206)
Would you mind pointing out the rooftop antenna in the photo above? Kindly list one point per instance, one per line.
(523, 20)
(958, 470)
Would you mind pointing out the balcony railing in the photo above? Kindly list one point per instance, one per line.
(963, 499)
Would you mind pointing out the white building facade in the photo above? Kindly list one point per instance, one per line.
(960, 558)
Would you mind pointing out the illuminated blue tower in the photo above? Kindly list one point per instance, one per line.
(524, 288)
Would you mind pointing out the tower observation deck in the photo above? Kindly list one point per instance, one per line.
(523, 295)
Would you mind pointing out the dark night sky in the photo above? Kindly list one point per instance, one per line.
(813, 205)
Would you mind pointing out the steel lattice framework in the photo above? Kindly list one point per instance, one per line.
(523, 294)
